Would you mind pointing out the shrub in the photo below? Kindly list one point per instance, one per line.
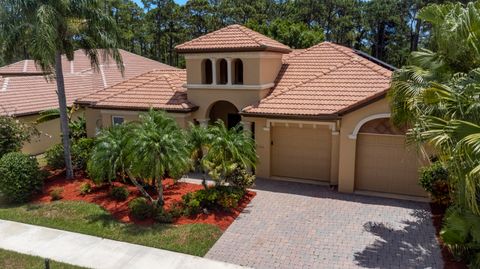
(220, 197)
(56, 194)
(13, 133)
(85, 188)
(176, 209)
(119, 193)
(20, 177)
(241, 178)
(162, 216)
(141, 208)
(54, 157)
(81, 151)
(434, 180)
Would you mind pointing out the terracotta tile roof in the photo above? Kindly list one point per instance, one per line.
(232, 38)
(22, 93)
(325, 79)
(161, 89)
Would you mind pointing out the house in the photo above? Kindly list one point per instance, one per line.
(25, 91)
(317, 115)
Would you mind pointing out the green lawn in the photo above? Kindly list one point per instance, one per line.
(10, 259)
(91, 219)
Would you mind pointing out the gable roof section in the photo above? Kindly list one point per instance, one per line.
(160, 89)
(25, 91)
(326, 79)
(233, 38)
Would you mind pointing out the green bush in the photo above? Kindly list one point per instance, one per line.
(20, 177)
(13, 133)
(163, 216)
(54, 157)
(241, 178)
(81, 151)
(56, 194)
(85, 188)
(140, 208)
(219, 197)
(119, 193)
(461, 233)
(176, 209)
(434, 180)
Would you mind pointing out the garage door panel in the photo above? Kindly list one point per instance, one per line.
(301, 153)
(385, 164)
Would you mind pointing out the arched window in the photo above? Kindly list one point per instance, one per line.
(237, 71)
(222, 72)
(207, 74)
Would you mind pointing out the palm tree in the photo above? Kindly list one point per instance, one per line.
(158, 148)
(198, 140)
(50, 28)
(228, 149)
(109, 158)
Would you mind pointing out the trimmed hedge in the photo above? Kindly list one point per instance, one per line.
(20, 177)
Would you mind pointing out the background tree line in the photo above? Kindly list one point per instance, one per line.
(385, 29)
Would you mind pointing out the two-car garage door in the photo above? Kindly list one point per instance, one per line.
(302, 153)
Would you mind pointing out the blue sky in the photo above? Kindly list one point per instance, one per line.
(181, 2)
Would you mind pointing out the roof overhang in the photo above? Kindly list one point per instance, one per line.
(251, 49)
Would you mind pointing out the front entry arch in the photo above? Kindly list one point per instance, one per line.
(225, 111)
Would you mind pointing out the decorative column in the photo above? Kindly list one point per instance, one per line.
(229, 71)
(214, 71)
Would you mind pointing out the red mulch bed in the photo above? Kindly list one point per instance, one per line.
(173, 193)
(438, 212)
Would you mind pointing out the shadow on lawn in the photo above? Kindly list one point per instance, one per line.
(410, 247)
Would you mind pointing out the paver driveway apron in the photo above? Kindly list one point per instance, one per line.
(292, 225)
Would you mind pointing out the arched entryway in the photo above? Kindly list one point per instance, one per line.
(225, 111)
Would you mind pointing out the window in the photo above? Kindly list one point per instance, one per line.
(223, 76)
(237, 71)
(117, 120)
(207, 74)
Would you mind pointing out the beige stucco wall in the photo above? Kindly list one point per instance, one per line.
(205, 98)
(347, 150)
(102, 118)
(50, 134)
(259, 67)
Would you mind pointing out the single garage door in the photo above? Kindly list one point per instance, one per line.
(385, 164)
(302, 153)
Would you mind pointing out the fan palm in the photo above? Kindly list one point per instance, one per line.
(50, 28)
(158, 148)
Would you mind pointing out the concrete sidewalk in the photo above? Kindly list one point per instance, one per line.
(94, 252)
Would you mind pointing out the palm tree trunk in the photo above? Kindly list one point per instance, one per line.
(160, 201)
(139, 187)
(62, 102)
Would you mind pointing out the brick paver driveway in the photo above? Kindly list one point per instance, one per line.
(291, 225)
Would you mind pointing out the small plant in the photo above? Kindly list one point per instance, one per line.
(20, 177)
(163, 216)
(81, 151)
(54, 157)
(176, 209)
(241, 178)
(220, 197)
(434, 180)
(56, 194)
(119, 193)
(140, 208)
(85, 188)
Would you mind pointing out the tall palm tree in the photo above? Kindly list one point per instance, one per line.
(51, 28)
(157, 148)
(199, 138)
(228, 149)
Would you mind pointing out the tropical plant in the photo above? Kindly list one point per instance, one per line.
(141, 208)
(20, 177)
(199, 138)
(434, 180)
(437, 96)
(157, 148)
(147, 151)
(119, 193)
(228, 150)
(51, 28)
(13, 134)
